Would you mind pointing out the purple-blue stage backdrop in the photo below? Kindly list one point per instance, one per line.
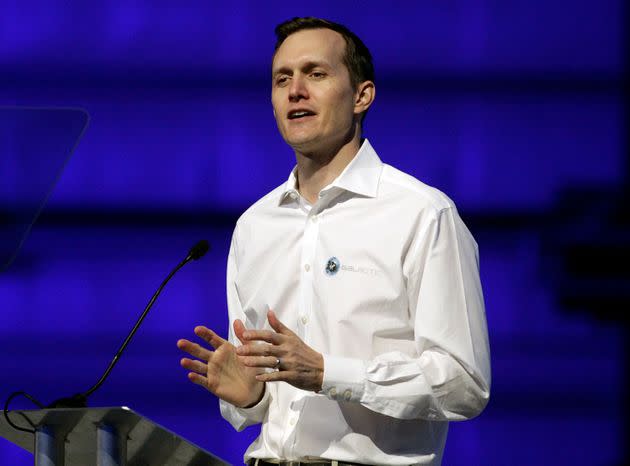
(515, 109)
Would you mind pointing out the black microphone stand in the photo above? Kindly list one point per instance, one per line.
(80, 399)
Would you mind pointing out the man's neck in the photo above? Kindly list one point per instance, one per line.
(316, 171)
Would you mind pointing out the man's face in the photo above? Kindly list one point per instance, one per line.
(312, 95)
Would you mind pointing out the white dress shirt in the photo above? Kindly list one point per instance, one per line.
(381, 276)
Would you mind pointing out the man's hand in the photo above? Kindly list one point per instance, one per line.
(221, 371)
(300, 365)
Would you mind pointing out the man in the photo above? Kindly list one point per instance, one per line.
(356, 311)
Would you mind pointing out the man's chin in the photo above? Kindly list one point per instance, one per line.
(303, 144)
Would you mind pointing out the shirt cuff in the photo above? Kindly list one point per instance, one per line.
(343, 378)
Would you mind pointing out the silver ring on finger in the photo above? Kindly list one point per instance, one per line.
(278, 362)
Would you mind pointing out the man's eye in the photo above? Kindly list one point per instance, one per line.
(317, 74)
(281, 80)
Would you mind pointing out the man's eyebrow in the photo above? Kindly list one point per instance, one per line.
(310, 65)
(281, 70)
(305, 67)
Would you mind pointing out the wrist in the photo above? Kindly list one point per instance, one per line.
(258, 398)
(320, 374)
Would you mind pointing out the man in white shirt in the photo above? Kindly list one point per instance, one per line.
(357, 317)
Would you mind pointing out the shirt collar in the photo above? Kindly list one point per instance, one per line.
(360, 176)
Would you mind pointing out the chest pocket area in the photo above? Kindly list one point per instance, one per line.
(266, 283)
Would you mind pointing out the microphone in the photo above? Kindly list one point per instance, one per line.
(198, 250)
(80, 399)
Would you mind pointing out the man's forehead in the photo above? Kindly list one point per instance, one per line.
(310, 45)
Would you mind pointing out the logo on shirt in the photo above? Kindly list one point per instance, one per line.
(332, 266)
(362, 270)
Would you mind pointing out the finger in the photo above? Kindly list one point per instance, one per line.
(277, 325)
(277, 376)
(260, 361)
(194, 349)
(198, 379)
(257, 348)
(263, 335)
(239, 328)
(194, 365)
(209, 336)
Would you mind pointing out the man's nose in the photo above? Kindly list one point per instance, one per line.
(298, 89)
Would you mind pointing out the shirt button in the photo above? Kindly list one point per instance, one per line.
(292, 421)
(332, 392)
(307, 267)
(314, 219)
(304, 320)
(347, 395)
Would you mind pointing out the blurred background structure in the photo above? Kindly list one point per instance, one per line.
(517, 110)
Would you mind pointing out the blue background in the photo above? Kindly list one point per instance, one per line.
(515, 109)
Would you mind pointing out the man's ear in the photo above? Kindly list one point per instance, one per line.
(364, 96)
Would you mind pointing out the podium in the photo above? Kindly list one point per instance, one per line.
(103, 437)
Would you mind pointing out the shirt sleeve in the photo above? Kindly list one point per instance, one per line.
(448, 377)
(239, 417)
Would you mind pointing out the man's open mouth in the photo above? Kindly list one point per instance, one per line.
(295, 114)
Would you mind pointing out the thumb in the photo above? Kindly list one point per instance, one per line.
(276, 324)
(209, 336)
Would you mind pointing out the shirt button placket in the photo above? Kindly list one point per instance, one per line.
(309, 245)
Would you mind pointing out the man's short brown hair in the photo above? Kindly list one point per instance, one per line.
(357, 57)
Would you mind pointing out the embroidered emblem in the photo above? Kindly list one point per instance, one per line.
(332, 266)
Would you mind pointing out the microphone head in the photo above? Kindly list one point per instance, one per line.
(199, 249)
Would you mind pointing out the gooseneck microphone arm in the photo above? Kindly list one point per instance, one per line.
(80, 399)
